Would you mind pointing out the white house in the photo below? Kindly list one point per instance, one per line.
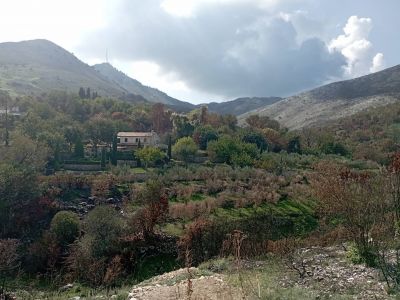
(134, 139)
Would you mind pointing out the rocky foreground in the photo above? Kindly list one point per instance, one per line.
(175, 285)
(322, 272)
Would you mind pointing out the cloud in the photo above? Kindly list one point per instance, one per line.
(230, 48)
(358, 50)
(378, 63)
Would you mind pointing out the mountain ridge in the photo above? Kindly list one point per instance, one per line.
(334, 100)
(240, 105)
(135, 87)
(37, 66)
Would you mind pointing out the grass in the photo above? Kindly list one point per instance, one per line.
(141, 170)
(174, 229)
(77, 291)
(27, 288)
(293, 217)
(264, 282)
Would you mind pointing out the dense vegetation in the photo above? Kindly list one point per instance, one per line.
(206, 179)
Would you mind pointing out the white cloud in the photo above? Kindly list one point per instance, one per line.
(357, 49)
(151, 74)
(378, 63)
(188, 8)
(62, 22)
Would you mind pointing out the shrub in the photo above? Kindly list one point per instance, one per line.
(66, 227)
(334, 148)
(9, 256)
(150, 155)
(354, 199)
(204, 134)
(185, 149)
(257, 138)
(203, 239)
(103, 227)
(83, 266)
(232, 151)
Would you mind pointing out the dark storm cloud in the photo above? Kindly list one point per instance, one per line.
(231, 50)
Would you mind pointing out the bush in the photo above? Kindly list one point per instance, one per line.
(232, 151)
(334, 148)
(185, 149)
(204, 134)
(103, 227)
(66, 227)
(150, 155)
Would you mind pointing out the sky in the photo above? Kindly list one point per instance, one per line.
(217, 50)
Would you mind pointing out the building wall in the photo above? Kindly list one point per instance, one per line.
(135, 140)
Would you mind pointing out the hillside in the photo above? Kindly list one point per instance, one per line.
(335, 100)
(241, 105)
(37, 66)
(135, 87)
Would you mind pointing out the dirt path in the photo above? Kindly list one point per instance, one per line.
(174, 285)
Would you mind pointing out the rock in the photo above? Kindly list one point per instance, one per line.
(66, 287)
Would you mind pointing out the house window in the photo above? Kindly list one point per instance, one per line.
(137, 140)
(126, 140)
(118, 140)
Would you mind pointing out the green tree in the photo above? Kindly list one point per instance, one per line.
(255, 121)
(55, 142)
(182, 126)
(19, 187)
(230, 150)
(5, 102)
(79, 150)
(114, 151)
(149, 155)
(82, 93)
(103, 158)
(25, 152)
(332, 147)
(294, 145)
(185, 149)
(169, 151)
(257, 138)
(100, 130)
(204, 134)
(66, 227)
(103, 227)
(72, 134)
(88, 93)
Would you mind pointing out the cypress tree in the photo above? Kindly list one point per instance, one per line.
(82, 93)
(103, 158)
(79, 150)
(114, 151)
(169, 151)
(88, 94)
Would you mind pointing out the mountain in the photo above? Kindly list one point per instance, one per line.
(40, 66)
(335, 100)
(37, 66)
(241, 105)
(135, 87)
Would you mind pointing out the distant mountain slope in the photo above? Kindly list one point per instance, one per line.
(335, 100)
(37, 66)
(135, 87)
(241, 105)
